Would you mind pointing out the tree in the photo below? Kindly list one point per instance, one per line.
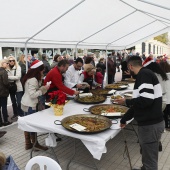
(162, 38)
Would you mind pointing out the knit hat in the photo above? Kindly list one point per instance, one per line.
(36, 64)
(148, 61)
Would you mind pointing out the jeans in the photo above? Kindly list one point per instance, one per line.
(19, 96)
(3, 105)
(14, 103)
(30, 111)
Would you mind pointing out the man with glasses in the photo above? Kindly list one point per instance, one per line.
(146, 109)
(72, 76)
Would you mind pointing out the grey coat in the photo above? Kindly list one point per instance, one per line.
(4, 84)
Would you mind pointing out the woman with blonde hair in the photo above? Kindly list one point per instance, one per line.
(15, 86)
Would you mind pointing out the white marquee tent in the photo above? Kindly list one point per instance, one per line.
(94, 24)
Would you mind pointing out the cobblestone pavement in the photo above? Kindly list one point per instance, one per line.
(115, 159)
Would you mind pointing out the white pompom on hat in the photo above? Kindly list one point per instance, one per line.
(148, 61)
(36, 64)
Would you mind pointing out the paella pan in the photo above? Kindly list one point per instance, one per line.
(85, 123)
(108, 110)
(106, 92)
(94, 99)
(116, 86)
(130, 80)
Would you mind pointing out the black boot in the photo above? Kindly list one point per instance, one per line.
(37, 146)
(2, 133)
(1, 124)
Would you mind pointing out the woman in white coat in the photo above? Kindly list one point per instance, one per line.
(14, 76)
(32, 83)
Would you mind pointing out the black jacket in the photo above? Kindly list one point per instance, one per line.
(146, 105)
(46, 67)
(4, 84)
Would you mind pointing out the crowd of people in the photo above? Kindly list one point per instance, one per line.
(151, 96)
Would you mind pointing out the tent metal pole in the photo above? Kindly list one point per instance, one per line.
(154, 15)
(147, 36)
(144, 11)
(26, 57)
(154, 4)
(106, 67)
(131, 32)
(53, 21)
(15, 53)
(76, 50)
(105, 27)
(53, 52)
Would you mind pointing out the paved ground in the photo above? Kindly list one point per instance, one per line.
(13, 144)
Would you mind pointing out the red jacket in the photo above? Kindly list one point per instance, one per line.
(55, 77)
(99, 77)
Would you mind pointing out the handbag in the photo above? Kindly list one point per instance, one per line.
(40, 105)
(13, 86)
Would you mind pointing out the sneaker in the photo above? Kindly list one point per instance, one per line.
(7, 123)
(14, 117)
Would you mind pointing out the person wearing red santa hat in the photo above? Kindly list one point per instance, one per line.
(148, 61)
(31, 83)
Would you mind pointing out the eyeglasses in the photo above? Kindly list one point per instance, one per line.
(11, 60)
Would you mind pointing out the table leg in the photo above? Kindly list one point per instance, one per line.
(52, 150)
(126, 149)
(55, 156)
(133, 129)
(74, 154)
(135, 132)
(33, 147)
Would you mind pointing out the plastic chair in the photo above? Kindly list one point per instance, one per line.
(43, 161)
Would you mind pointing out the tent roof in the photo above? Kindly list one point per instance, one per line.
(117, 24)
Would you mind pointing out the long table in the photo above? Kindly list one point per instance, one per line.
(43, 122)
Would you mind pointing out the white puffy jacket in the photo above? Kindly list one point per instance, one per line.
(32, 91)
(167, 85)
(15, 78)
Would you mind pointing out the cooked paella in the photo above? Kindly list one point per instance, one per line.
(91, 124)
(116, 86)
(116, 97)
(91, 99)
(98, 110)
(100, 91)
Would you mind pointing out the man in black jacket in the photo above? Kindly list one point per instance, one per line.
(146, 109)
(46, 64)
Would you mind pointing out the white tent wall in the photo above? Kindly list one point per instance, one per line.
(117, 24)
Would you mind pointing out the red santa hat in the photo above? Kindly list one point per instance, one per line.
(36, 64)
(147, 61)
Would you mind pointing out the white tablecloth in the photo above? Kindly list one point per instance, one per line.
(43, 121)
